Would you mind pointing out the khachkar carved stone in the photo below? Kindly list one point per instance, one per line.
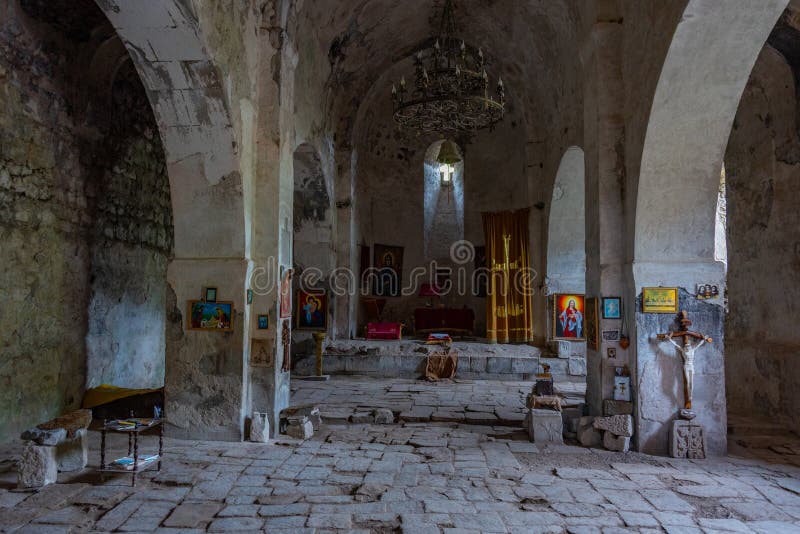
(687, 440)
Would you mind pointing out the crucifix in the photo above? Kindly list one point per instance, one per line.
(687, 351)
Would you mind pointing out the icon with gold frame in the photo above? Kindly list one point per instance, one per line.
(659, 300)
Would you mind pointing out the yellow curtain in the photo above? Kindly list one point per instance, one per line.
(509, 307)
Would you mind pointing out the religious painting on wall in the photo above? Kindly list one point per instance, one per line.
(210, 316)
(659, 300)
(286, 294)
(261, 353)
(592, 323)
(612, 308)
(388, 263)
(312, 310)
(568, 317)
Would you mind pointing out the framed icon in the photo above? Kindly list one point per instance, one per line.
(263, 322)
(612, 308)
(210, 294)
(659, 300)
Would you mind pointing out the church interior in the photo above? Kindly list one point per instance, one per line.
(420, 266)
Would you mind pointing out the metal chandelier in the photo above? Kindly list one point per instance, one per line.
(451, 91)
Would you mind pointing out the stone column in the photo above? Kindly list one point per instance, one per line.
(270, 138)
(604, 151)
(347, 261)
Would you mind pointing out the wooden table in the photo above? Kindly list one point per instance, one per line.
(142, 426)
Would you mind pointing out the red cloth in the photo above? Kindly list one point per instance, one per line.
(384, 330)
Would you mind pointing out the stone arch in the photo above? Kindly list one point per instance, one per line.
(167, 47)
(205, 374)
(566, 229)
(709, 61)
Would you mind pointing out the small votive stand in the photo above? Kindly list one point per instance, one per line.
(135, 465)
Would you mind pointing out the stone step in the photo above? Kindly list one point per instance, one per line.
(471, 366)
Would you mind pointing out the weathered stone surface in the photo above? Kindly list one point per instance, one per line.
(302, 429)
(37, 466)
(192, 514)
(72, 454)
(311, 411)
(687, 439)
(383, 416)
(613, 442)
(362, 417)
(620, 425)
(577, 366)
(545, 426)
(259, 428)
(44, 437)
(589, 436)
(616, 407)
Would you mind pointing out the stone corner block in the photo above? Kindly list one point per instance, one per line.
(37, 466)
(545, 426)
(617, 407)
(613, 442)
(620, 425)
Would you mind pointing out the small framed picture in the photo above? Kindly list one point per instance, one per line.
(612, 308)
(211, 316)
(210, 294)
(263, 322)
(249, 296)
(611, 352)
(610, 335)
(659, 300)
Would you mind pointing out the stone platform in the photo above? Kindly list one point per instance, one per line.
(407, 358)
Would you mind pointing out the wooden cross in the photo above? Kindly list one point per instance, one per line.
(687, 352)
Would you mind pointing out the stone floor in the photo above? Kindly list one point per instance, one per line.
(416, 478)
(483, 402)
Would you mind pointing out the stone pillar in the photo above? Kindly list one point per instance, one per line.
(269, 136)
(346, 301)
(604, 140)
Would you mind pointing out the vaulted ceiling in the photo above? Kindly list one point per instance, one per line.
(346, 48)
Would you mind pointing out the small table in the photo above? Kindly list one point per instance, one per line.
(133, 464)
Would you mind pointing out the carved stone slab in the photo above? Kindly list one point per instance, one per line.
(687, 440)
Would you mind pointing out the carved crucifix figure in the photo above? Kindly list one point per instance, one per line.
(687, 351)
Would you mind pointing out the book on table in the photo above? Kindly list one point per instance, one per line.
(126, 462)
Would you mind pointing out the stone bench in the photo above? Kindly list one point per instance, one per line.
(61, 444)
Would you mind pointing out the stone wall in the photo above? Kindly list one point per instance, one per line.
(391, 192)
(81, 188)
(761, 361)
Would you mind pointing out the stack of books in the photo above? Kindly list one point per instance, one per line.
(127, 462)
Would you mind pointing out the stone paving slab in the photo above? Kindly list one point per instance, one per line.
(416, 478)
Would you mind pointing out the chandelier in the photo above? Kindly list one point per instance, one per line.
(451, 91)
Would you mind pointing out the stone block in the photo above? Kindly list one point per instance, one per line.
(577, 366)
(309, 410)
(589, 436)
(545, 426)
(383, 416)
(50, 437)
(687, 440)
(362, 417)
(613, 442)
(72, 454)
(259, 428)
(37, 466)
(617, 407)
(620, 425)
(300, 428)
